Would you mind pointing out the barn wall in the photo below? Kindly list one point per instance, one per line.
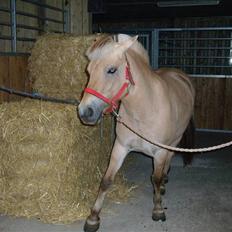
(213, 103)
(79, 21)
(13, 69)
(13, 74)
(22, 46)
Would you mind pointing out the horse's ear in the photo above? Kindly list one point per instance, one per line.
(124, 45)
(88, 53)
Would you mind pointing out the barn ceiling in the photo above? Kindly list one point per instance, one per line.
(148, 10)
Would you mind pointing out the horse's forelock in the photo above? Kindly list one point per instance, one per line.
(98, 46)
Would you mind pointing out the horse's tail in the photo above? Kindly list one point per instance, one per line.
(188, 141)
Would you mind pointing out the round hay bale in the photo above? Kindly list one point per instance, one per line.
(51, 164)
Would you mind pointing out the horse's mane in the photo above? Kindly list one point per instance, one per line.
(105, 43)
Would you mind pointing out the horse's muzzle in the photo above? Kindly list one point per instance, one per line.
(89, 114)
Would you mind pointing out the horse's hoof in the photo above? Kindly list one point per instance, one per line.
(158, 216)
(91, 228)
(162, 190)
(165, 179)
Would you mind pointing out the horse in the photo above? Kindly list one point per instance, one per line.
(156, 103)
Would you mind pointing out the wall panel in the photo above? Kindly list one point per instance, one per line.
(14, 74)
(213, 108)
(228, 105)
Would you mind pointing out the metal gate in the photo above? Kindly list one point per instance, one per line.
(22, 21)
(203, 52)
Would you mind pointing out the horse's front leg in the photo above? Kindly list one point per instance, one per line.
(117, 157)
(165, 172)
(157, 179)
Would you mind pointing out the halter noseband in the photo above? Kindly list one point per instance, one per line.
(114, 101)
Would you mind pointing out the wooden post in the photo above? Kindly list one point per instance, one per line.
(80, 19)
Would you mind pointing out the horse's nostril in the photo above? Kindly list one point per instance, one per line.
(89, 112)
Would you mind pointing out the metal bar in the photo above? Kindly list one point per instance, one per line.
(192, 48)
(191, 39)
(195, 29)
(43, 5)
(195, 52)
(214, 130)
(230, 60)
(209, 76)
(198, 66)
(40, 97)
(2, 37)
(14, 54)
(38, 17)
(198, 57)
(131, 3)
(155, 48)
(13, 25)
(112, 136)
(101, 129)
(66, 17)
(148, 30)
(63, 16)
(106, 30)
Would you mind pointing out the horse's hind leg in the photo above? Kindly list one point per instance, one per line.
(157, 179)
(117, 157)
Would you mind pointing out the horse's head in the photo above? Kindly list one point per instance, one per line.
(109, 77)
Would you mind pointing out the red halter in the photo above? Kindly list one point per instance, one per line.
(113, 102)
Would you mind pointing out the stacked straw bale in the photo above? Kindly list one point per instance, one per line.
(51, 164)
(57, 65)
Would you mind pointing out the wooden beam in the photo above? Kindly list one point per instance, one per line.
(80, 18)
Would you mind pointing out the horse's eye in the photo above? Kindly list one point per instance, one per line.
(112, 70)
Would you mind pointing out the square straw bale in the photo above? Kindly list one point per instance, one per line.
(51, 165)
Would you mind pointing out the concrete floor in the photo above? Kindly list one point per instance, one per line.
(197, 199)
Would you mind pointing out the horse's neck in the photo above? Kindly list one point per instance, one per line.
(141, 95)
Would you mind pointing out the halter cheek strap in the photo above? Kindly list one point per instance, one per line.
(113, 102)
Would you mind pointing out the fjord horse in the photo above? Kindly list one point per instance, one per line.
(156, 103)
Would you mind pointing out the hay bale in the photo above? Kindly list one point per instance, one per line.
(57, 65)
(51, 164)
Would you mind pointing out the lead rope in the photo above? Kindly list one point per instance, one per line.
(170, 148)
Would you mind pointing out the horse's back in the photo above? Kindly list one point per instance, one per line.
(175, 73)
(177, 80)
